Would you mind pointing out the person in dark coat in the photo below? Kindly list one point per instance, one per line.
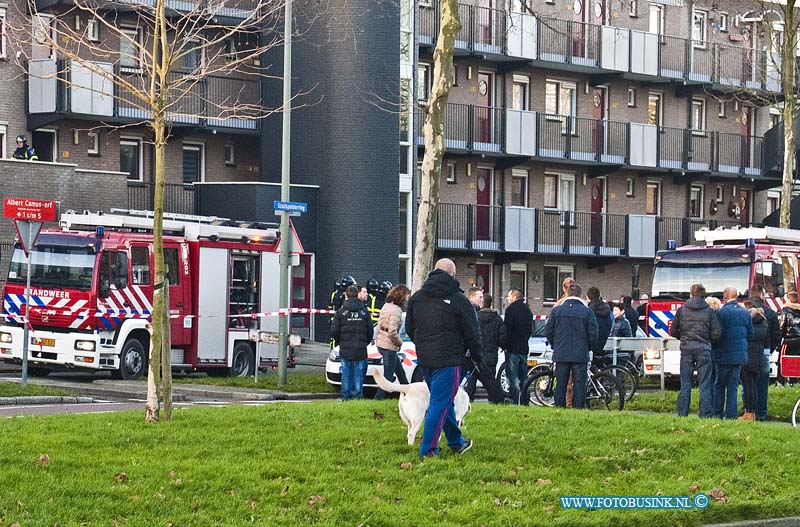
(641, 310)
(756, 344)
(715, 304)
(519, 324)
(697, 327)
(757, 295)
(602, 311)
(621, 327)
(790, 324)
(737, 328)
(571, 330)
(630, 313)
(493, 337)
(443, 326)
(351, 329)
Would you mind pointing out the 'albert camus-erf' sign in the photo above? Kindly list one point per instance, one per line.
(27, 209)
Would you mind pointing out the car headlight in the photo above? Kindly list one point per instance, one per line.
(652, 354)
(85, 345)
(6, 338)
(333, 356)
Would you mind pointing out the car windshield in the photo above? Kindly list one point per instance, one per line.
(54, 267)
(674, 279)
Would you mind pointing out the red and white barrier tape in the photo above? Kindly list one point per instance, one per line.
(100, 314)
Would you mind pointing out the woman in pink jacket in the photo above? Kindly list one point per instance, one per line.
(388, 335)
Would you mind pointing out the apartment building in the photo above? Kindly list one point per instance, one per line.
(72, 114)
(583, 135)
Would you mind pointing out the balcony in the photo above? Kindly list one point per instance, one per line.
(178, 198)
(223, 11)
(58, 89)
(601, 144)
(483, 228)
(605, 50)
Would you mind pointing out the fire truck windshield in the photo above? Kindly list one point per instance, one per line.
(674, 279)
(53, 266)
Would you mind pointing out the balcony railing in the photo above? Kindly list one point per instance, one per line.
(481, 228)
(178, 198)
(237, 9)
(568, 44)
(67, 87)
(473, 128)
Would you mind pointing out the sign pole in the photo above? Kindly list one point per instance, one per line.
(25, 335)
(283, 259)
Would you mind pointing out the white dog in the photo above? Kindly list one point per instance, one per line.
(414, 400)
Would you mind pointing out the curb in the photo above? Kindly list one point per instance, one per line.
(43, 399)
(793, 521)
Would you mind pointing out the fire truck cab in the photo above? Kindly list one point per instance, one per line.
(722, 258)
(92, 292)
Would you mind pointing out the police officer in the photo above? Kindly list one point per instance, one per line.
(372, 292)
(380, 296)
(338, 297)
(23, 151)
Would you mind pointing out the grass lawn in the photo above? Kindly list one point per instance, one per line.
(331, 463)
(13, 389)
(779, 403)
(297, 382)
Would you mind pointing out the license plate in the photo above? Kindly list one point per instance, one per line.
(532, 362)
(43, 342)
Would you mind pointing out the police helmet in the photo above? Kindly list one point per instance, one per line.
(337, 284)
(347, 280)
(385, 286)
(22, 139)
(372, 286)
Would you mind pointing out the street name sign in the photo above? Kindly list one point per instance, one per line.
(294, 208)
(27, 209)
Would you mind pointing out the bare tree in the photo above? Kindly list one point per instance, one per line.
(154, 60)
(433, 133)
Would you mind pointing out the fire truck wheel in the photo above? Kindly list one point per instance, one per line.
(132, 361)
(243, 364)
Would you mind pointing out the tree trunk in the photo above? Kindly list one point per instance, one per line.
(166, 360)
(433, 132)
(787, 84)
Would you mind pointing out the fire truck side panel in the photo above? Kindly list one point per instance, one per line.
(212, 305)
(269, 303)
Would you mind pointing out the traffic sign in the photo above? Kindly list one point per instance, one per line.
(28, 231)
(30, 209)
(294, 208)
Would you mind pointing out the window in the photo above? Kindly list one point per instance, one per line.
(698, 116)
(699, 28)
(773, 201)
(552, 278)
(423, 81)
(720, 194)
(696, 201)
(43, 37)
(722, 110)
(193, 59)
(130, 48)
(230, 155)
(633, 8)
(631, 97)
(451, 173)
(519, 92)
(94, 144)
(404, 156)
(171, 267)
(775, 116)
(93, 30)
(404, 225)
(655, 109)
(193, 169)
(630, 186)
(769, 274)
(653, 198)
(519, 279)
(455, 74)
(424, 3)
(130, 158)
(519, 188)
(2, 141)
(560, 98)
(723, 22)
(2, 32)
(656, 19)
(140, 264)
(559, 191)
(113, 272)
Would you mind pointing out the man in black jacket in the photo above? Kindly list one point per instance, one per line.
(351, 329)
(757, 295)
(493, 337)
(630, 313)
(443, 326)
(519, 323)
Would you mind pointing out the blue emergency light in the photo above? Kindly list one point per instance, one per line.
(750, 243)
(672, 245)
(100, 231)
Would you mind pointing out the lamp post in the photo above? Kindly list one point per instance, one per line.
(283, 261)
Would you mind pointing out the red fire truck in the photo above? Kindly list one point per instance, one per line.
(92, 291)
(722, 258)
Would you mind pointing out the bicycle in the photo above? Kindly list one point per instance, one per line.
(603, 390)
(625, 371)
(795, 412)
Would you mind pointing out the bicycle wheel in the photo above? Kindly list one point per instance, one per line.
(629, 380)
(539, 389)
(604, 391)
(795, 417)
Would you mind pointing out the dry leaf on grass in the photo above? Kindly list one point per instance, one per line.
(544, 482)
(315, 501)
(549, 509)
(285, 490)
(693, 489)
(44, 460)
(740, 458)
(377, 415)
(718, 495)
(405, 465)
(121, 477)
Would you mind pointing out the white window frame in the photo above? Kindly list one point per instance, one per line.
(451, 173)
(196, 46)
(658, 10)
(631, 97)
(701, 197)
(561, 201)
(561, 87)
(54, 132)
(38, 21)
(773, 195)
(561, 269)
(94, 144)
(723, 111)
(630, 187)
(633, 8)
(720, 197)
(518, 267)
(93, 30)
(229, 160)
(660, 114)
(137, 47)
(138, 141)
(702, 16)
(424, 3)
(723, 22)
(201, 147)
(521, 173)
(659, 196)
(3, 134)
(424, 80)
(525, 82)
(701, 103)
(3, 23)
